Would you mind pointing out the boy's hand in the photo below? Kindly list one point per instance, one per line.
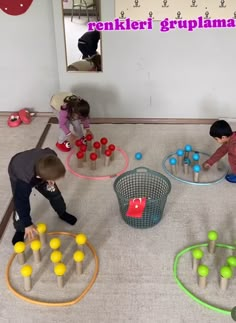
(206, 166)
(31, 232)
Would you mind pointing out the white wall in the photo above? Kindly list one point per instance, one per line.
(146, 73)
(152, 74)
(28, 61)
(67, 4)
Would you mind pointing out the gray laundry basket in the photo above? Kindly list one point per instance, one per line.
(139, 183)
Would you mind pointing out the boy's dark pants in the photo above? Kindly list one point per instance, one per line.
(86, 50)
(55, 198)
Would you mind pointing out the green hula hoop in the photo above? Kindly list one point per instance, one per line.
(181, 285)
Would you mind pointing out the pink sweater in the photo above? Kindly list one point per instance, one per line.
(64, 124)
(228, 147)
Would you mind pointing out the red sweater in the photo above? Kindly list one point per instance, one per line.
(228, 147)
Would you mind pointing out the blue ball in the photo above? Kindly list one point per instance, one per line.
(180, 152)
(173, 161)
(138, 156)
(196, 156)
(196, 168)
(188, 148)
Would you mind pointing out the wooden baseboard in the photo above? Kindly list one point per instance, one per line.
(151, 121)
(128, 120)
(37, 114)
(54, 120)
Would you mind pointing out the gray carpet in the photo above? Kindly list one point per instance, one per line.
(135, 281)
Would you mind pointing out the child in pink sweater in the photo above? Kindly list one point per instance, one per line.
(73, 111)
(223, 134)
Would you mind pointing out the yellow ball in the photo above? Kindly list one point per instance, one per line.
(60, 269)
(26, 270)
(41, 227)
(56, 256)
(78, 256)
(55, 243)
(19, 247)
(81, 239)
(35, 245)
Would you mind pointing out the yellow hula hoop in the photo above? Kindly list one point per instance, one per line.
(55, 304)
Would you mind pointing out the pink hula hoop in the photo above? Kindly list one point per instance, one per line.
(98, 177)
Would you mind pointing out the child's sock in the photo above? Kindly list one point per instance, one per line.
(71, 219)
(19, 236)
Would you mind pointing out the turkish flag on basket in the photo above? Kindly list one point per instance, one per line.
(136, 207)
(15, 7)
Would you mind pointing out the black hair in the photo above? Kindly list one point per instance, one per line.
(220, 128)
(76, 105)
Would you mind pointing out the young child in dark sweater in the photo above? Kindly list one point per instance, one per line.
(223, 134)
(88, 43)
(38, 168)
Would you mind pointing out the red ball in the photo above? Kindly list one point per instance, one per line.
(89, 137)
(108, 152)
(78, 143)
(83, 148)
(104, 141)
(112, 147)
(80, 155)
(93, 156)
(96, 145)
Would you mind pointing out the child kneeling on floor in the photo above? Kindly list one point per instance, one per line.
(71, 110)
(38, 168)
(223, 134)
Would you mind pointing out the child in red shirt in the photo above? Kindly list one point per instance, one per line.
(223, 134)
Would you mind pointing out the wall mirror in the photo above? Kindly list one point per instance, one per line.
(83, 48)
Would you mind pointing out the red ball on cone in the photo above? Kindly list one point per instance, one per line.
(80, 155)
(108, 152)
(78, 143)
(104, 141)
(83, 148)
(93, 156)
(96, 145)
(111, 147)
(89, 137)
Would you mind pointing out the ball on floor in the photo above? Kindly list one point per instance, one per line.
(138, 156)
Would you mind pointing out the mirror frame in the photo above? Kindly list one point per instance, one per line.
(65, 47)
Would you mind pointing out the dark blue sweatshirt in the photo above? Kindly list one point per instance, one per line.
(23, 178)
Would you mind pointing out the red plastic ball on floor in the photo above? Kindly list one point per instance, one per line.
(104, 141)
(80, 155)
(96, 145)
(111, 147)
(83, 148)
(108, 152)
(93, 156)
(89, 137)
